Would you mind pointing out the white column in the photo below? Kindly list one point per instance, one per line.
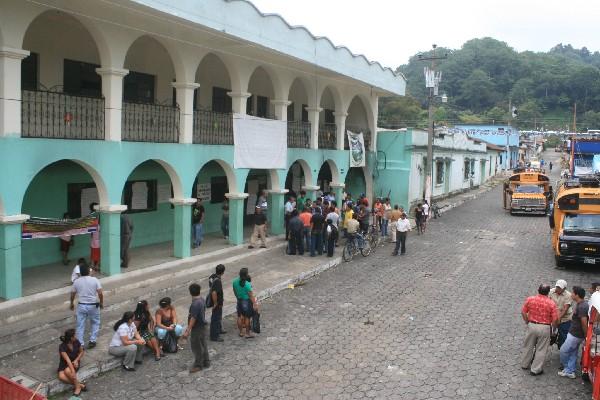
(281, 107)
(10, 90)
(238, 101)
(112, 90)
(313, 117)
(185, 100)
(340, 123)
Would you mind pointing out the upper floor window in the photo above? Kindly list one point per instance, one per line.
(290, 113)
(80, 78)
(304, 113)
(138, 87)
(221, 102)
(329, 117)
(29, 72)
(262, 106)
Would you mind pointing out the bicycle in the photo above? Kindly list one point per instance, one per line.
(351, 249)
(372, 236)
(435, 210)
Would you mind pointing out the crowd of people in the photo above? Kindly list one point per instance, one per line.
(556, 316)
(140, 329)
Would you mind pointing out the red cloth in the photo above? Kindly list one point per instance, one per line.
(540, 309)
(95, 254)
(305, 218)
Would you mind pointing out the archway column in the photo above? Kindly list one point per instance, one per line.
(281, 107)
(185, 100)
(313, 117)
(110, 238)
(338, 190)
(236, 217)
(11, 280)
(310, 191)
(182, 227)
(10, 90)
(340, 123)
(238, 101)
(112, 90)
(276, 205)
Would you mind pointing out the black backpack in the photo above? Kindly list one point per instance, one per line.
(208, 302)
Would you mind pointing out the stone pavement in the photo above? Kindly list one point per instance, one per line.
(441, 322)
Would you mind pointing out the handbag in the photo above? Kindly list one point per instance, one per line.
(169, 343)
(255, 323)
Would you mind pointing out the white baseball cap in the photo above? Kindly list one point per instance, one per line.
(561, 283)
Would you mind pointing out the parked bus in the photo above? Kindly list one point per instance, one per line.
(527, 191)
(575, 221)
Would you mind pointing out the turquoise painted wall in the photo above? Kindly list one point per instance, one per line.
(355, 182)
(393, 166)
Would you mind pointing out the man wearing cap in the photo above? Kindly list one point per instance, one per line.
(260, 224)
(540, 314)
(562, 298)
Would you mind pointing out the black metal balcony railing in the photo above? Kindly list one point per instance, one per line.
(357, 129)
(212, 127)
(56, 115)
(327, 136)
(298, 134)
(147, 122)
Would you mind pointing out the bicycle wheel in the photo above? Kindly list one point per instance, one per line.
(366, 250)
(373, 241)
(348, 252)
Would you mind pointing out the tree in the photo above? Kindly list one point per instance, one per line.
(478, 92)
(497, 115)
(529, 115)
(400, 112)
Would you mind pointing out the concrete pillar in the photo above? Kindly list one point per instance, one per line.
(110, 238)
(183, 227)
(313, 117)
(338, 190)
(238, 101)
(10, 91)
(112, 90)
(185, 100)
(11, 281)
(340, 122)
(310, 191)
(281, 107)
(276, 207)
(236, 217)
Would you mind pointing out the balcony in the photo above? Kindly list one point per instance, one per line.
(212, 127)
(298, 134)
(327, 134)
(357, 129)
(147, 122)
(56, 115)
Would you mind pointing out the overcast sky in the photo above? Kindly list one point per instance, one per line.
(390, 31)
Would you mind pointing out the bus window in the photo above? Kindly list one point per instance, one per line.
(582, 222)
(529, 189)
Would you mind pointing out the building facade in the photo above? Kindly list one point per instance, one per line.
(133, 105)
(500, 135)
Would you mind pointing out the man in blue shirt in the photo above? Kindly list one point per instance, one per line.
(197, 330)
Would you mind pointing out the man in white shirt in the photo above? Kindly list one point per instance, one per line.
(91, 300)
(425, 207)
(76, 272)
(290, 206)
(402, 228)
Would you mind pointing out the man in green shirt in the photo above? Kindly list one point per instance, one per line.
(301, 201)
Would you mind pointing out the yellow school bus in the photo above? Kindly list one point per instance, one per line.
(527, 191)
(575, 221)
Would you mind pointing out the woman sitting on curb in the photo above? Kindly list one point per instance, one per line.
(166, 320)
(71, 352)
(126, 342)
(145, 325)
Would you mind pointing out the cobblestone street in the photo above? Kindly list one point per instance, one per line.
(441, 322)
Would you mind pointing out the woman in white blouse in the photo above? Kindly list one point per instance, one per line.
(127, 342)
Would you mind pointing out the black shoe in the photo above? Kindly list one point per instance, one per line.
(217, 340)
(250, 247)
(263, 247)
(91, 345)
(394, 254)
(207, 365)
(129, 369)
(223, 332)
(138, 362)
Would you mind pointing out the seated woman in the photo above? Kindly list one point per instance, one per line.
(166, 319)
(246, 302)
(145, 325)
(71, 352)
(127, 342)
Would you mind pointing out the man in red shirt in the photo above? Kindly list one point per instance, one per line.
(540, 314)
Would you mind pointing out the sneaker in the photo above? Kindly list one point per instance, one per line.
(91, 345)
(250, 247)
(567, 374)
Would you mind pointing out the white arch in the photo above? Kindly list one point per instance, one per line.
(178, 192)
(308, 174)
(309, 90)
(335, 93)
(335, 171)
(276, 85)
(229, 173)
(175, 60)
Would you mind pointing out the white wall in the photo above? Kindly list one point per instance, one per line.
(299, 97)
(211, 73)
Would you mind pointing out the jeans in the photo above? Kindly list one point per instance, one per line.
(384, 227)
(400, 243)
(199, 347)
(307, 238)
(161, 333)
(225, 225)
(295, 244)
(316, 243)
(568, 353)
(197, 234)
(563, 330)
(215, 322)
(84, 313)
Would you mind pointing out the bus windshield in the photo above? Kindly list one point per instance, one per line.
(582, 222)
(529, 189)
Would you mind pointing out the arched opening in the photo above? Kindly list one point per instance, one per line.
(357, 121)
(146, 193)
(299, 175)
(62, 189)
(150, 111)
(210, 187)
(262, 92)
(325, 178)
(327, 126)
(61, 91)
(212, 105)
(356, 183)
(297, 116)
(258, 183)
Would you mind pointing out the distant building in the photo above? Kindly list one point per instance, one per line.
(497, 134)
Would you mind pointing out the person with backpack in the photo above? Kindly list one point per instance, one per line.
(331, 235)
(214, 299)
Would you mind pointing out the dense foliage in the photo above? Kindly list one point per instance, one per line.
(481, 77)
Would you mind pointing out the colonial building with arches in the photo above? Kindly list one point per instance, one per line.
(100, 102)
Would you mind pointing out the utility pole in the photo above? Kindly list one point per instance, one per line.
(432, 81)
(575, 118)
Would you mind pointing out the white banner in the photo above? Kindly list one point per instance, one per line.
(259, 143)
(357, 149)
